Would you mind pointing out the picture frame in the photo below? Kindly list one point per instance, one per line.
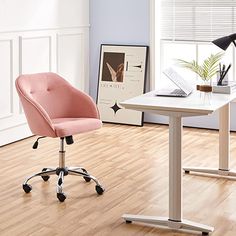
(122, 75)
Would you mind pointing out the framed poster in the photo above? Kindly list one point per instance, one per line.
(122, 75)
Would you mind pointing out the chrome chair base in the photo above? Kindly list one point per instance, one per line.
(61, 172)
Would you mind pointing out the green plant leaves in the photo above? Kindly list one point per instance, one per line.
(207, 70)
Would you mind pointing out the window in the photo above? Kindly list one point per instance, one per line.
(185, 28)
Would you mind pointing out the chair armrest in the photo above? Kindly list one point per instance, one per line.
(83, 105)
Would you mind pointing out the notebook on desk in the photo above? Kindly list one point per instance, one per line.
(184, 89)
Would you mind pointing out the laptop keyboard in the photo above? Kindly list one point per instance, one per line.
(178, 92)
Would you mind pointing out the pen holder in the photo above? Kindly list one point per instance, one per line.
(225, 80)
(205, 92)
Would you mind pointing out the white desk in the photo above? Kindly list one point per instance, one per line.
(176, 108)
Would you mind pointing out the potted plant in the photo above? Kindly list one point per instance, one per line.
(206, 71)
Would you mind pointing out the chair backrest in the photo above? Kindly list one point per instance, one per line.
(44, 96)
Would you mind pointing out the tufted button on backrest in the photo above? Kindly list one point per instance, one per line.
(49, 90)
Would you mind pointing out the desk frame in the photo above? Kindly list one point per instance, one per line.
(224, 148)
(175, 219)
(189, 107)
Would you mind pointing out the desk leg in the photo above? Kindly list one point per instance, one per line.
(174, 221)
(175, 168)
(224, 147)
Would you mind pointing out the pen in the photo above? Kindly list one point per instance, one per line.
(226, 72)
(222, 72)
(220, 69)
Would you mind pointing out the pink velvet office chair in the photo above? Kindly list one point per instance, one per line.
(54, 108)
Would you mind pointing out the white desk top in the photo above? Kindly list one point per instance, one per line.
(194, 104)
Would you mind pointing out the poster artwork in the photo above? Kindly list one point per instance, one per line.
(122, 76)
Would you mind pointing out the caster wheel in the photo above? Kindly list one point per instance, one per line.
(45, 178)
(87, 179)
(205, 233)
(128, 221)
(186, 171)
(27, 188)
(99, 189)
(61, 197)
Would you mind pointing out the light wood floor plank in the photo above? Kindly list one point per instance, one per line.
(132, 163)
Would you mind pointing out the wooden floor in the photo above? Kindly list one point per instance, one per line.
(132, 163)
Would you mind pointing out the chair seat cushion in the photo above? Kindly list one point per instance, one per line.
(70, 126)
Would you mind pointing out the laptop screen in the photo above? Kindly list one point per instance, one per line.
(178, 80)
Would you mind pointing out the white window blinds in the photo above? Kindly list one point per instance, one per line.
(197, 20)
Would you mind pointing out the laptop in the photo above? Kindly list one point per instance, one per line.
(184, 88)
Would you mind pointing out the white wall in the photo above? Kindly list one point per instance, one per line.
(115, 22)
(38, 36)
(22, 15)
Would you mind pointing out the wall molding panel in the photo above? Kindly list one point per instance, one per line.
(6, 79)
(39, 36)
(35, 54)
(72, 45)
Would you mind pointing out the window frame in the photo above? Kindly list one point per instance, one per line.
(156, 49)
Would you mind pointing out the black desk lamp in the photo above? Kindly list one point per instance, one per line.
(224, 42)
